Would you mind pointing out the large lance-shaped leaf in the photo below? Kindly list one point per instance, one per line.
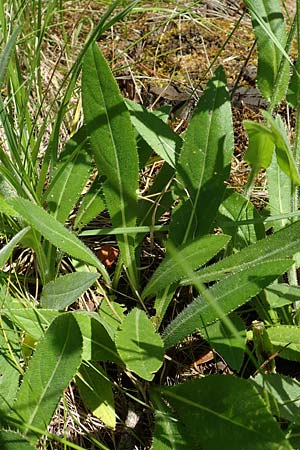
(55, 232)
(139, 346)
(64, 291)
(112, 140)
(222, 298)
(225, 412)
(52, 367)
(204, 162)
(269, 28)
(193, 255)
(283, 244)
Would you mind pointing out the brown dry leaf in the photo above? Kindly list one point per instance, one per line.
(108, 255)
(207, 356)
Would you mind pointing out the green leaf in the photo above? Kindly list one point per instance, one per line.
(204, 162)
(53, 365)
(293, 94)
(234, 209)
(281, 294)
(66, 290)
(97, 338)
(169, 433)
(284, 154)
(56, 233)
(269, 28)
(193, 255)
(96, 393)
(112, 140)
(285, 340)
(91, 205)
(70, 177)
(11, 440)
(112, 313)
(283, 244)
(7, 249)
(227, 344)
(97, 334)
(282, 395)
(139, 346)
(158, 135)
(261, 146)
(222, 298)
(10, 354)
(280, 191)
(231, 413)
(33, 322)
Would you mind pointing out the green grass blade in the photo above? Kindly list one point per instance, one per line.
(6, 53)
(113, 145)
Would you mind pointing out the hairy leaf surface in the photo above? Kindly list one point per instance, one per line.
(204, 162)
(53, 365)
(65, 290)
(231, 413)
(139, 346)
(222, 298)
(112, 141)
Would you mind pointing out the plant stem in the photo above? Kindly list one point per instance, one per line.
(250, 183)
